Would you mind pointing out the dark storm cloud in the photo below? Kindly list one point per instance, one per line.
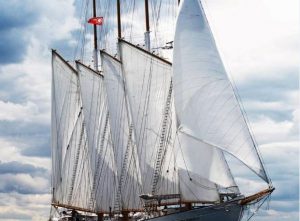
(33, 139)
(15, 18)
(15, 167)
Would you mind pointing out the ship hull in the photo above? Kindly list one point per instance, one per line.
(225, 212)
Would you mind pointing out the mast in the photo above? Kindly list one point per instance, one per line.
(95, 38)
(119, 19)
(147, 33)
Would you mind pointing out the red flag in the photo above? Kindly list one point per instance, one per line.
(96, 21)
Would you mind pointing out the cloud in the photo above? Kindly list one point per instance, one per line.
(11, 151)
(274, 215)
(262, 42)
(267, 130)
(31, 207)
(12, 46)
(13, 42)
(13, 111)
(24, 184)
(32, 138)
(15, 167)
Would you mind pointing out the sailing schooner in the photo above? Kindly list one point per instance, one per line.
(143, 138)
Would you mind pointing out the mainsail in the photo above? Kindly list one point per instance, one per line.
(206, 105)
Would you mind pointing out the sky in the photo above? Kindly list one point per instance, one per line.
(257, 39)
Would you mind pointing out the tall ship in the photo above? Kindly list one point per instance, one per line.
(139, 136)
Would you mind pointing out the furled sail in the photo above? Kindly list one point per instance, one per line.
(129, 180)
(206, 106)
(100, 148)
(149, 88)
(68, 137)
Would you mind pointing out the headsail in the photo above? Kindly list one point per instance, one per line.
(204, 161)
(206, 105)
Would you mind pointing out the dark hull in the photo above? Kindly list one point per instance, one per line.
(224, 212)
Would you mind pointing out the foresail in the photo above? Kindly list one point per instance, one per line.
(68, 137)
(149, 87)
(204, 161)
(100, 148)
(129, 180)
(194, 188)
(206, 105)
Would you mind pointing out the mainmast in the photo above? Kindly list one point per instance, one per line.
(95, 38)
(147, 33)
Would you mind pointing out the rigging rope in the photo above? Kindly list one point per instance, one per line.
(119, 199)
(76, 163)
(162, 143)
(100, 152)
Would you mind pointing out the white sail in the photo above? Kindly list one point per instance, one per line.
(204, 161)
(205, 101)
(194, 188)
(76, 182)
(71, 170)
(129, 182)
(101, 153)
(168, 182)
(148, 83)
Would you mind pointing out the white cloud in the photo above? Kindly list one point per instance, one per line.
(273, 215)
(10, 152)
(23, 183)
(12, 112)
(18, 206)
(267, 130)
(256, 38)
